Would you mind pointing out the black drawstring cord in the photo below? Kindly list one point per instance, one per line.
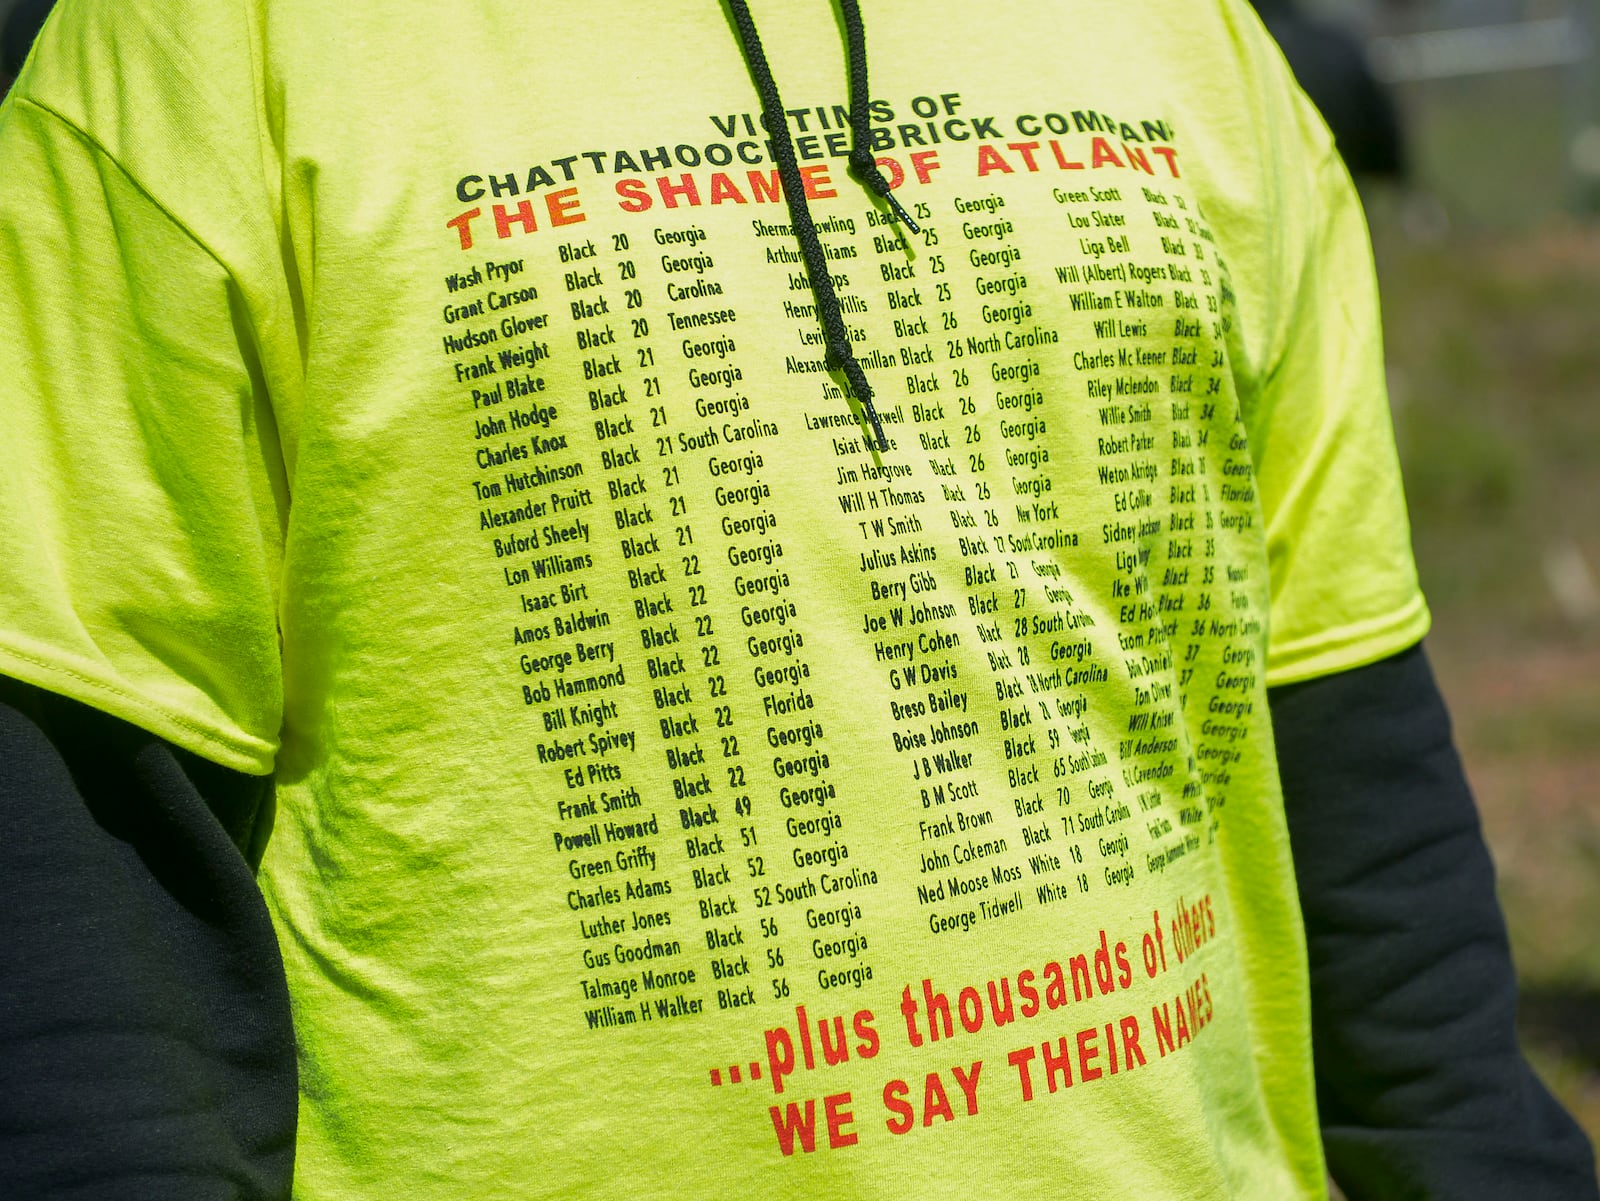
(862, 163)
(840, 356)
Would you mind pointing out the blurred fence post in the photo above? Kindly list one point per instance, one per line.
(1583, 112)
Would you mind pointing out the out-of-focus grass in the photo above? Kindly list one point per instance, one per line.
(1494, 350)
(1492, 328)
(1493, 147)
(1491, 290)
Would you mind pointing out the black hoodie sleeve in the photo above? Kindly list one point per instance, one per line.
(146, 1052)
(1423, 1090)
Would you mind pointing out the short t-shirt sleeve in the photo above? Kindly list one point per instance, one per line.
(1344, 584)
(141, 497)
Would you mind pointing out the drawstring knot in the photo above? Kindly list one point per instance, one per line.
(867, 173)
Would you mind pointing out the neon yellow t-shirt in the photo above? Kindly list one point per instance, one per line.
(674, 796)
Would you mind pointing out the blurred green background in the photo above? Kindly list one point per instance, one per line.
(1488, 255)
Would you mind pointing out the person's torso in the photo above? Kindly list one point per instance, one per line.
(679, 796)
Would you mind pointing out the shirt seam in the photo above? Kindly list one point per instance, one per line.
(138, 703)
(103, 152)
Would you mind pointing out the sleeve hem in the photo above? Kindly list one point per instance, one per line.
(100, 151)
(1349, 646)
(83, 682)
